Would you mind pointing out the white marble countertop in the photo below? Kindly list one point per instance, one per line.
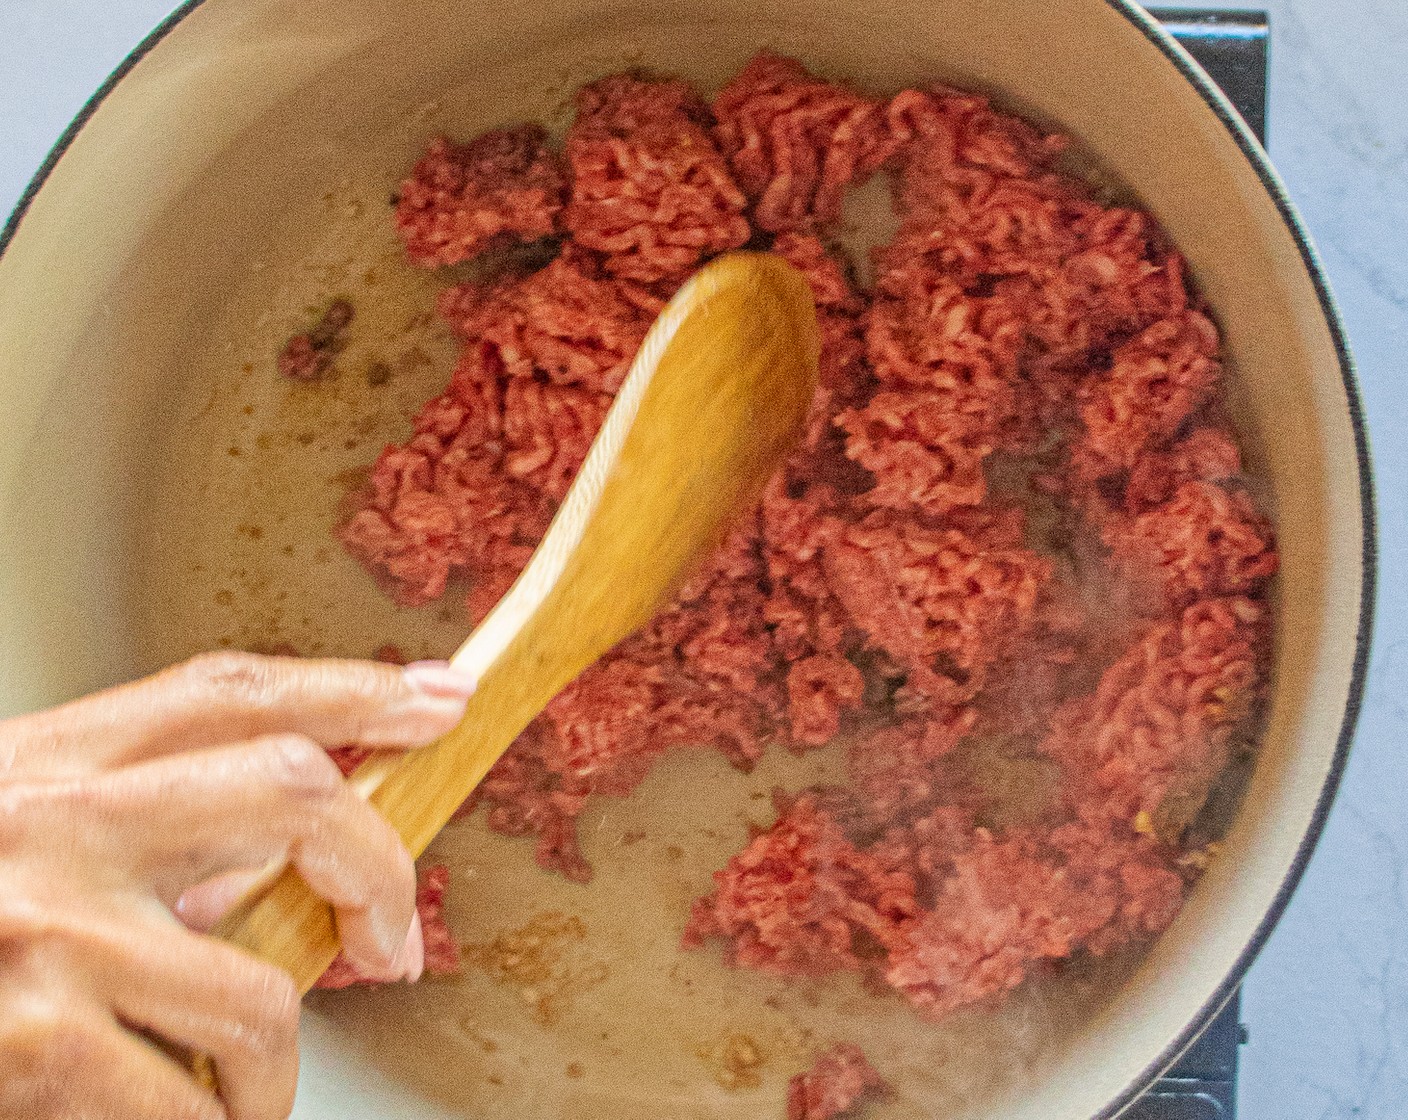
(1326, 1006)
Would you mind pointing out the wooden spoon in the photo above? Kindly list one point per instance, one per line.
(716, 397)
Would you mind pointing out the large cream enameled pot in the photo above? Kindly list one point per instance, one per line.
(245, 139)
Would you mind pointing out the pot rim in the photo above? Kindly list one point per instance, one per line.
(1271, 181)
(1275, 187)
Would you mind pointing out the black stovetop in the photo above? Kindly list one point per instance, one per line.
(1232, 48)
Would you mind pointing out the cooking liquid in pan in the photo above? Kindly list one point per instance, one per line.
(575, 1001)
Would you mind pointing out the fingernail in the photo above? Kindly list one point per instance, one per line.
(440, 679)
(410, 960)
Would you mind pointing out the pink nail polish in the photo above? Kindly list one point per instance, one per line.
(440, 679)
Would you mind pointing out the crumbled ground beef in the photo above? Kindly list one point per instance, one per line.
(1206, 540)
(464, 198)
(306, 357)
(832, 1088)
(892, 586)
(801, 897)
(650, 191)
(795, 143)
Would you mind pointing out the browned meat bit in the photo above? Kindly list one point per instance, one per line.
(306, 357)
(335, 320)
(737, 1060)
(300, 361)
(546, 960)
(834, 1085)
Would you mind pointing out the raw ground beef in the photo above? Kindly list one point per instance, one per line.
(650, 192)
(801, 898)
(462, 199)
(307, 356)
(1017, 517)
(795, 143)
(834, 1085)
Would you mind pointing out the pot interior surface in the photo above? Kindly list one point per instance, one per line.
(163, 492)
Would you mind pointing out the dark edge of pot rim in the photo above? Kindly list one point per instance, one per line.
(90, 107)
(1256, 156)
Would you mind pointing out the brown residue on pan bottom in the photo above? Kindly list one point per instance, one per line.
(544, 960)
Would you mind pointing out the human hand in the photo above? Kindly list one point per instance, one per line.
(127, 813)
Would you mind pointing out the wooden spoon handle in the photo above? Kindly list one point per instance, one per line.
(722, 384)
(286, 923)
(282, 921)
